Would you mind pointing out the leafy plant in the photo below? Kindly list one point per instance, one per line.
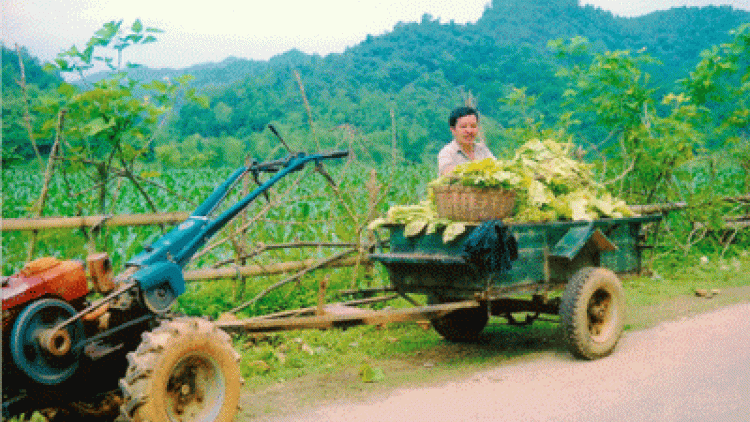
(614, 92)
(720, 86)
(108, 125)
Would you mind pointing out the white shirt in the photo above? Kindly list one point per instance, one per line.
(451, 155)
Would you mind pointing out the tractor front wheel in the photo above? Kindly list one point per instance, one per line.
(184, 370)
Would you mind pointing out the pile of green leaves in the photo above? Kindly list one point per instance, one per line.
(555, 186)
(550, 185)
(420, 218)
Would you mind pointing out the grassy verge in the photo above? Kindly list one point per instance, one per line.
(670, 291)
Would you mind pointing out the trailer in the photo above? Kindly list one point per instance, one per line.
(580, 259)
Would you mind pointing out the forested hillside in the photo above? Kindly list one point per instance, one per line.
(419, 71)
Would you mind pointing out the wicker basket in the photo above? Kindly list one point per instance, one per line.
(468, 203)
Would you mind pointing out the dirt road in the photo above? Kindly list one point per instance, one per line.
(693, 369)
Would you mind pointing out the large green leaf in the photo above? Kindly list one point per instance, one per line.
(538, 194)
(452, 231)
(579, 209)
(415, 227)
(98, 125)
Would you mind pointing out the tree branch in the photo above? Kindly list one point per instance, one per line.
(39, 205)
(26, 114)
(292, 278)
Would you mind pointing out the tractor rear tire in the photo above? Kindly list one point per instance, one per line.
(184, 370)
(592, 312)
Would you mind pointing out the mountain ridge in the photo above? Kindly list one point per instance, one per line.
(516, 21)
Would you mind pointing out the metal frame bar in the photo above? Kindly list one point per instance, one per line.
(358, 317)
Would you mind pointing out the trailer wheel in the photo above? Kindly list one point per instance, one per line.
(184, 370)
(592, 312)
(462, 325)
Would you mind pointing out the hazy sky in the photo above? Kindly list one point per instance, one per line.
(213, 30)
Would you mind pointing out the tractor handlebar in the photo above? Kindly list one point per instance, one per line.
(181, 243)
(276, 165)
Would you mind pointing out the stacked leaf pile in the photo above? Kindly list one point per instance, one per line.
(418, 218)
(550, 185)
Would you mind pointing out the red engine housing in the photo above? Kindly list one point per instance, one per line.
(44, 277)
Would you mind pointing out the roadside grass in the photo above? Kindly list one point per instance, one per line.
(388, 355)
(670, 290)
(684, 275)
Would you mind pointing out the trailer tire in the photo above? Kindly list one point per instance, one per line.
(592, 312)
(460, 326)
(186, 370)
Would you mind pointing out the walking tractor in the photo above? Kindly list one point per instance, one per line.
(121, 347)
(62, 349)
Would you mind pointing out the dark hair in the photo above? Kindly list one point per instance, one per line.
(461, 112)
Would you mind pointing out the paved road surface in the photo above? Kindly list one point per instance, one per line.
(695, 369)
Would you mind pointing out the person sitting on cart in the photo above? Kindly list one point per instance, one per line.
(464, 124)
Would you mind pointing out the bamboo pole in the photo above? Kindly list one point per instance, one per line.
(47, 223)
(731, 223)
(739, 199)
(368, 317)
(312, 309)
(310, 266)
(322, 288)
(39, 205)
(307, 107)
(241, 245)
(674, 206)
(262, 247)
(26, 114)
(270, 269)
(658, 208)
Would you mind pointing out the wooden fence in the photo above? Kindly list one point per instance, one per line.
(340, 259)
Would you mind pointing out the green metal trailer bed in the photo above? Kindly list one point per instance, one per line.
(580, 258)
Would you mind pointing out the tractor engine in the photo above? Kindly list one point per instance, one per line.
(52, 333)
(43, 294)
(44, 277)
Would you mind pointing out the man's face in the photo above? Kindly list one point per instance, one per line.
(465, 130)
